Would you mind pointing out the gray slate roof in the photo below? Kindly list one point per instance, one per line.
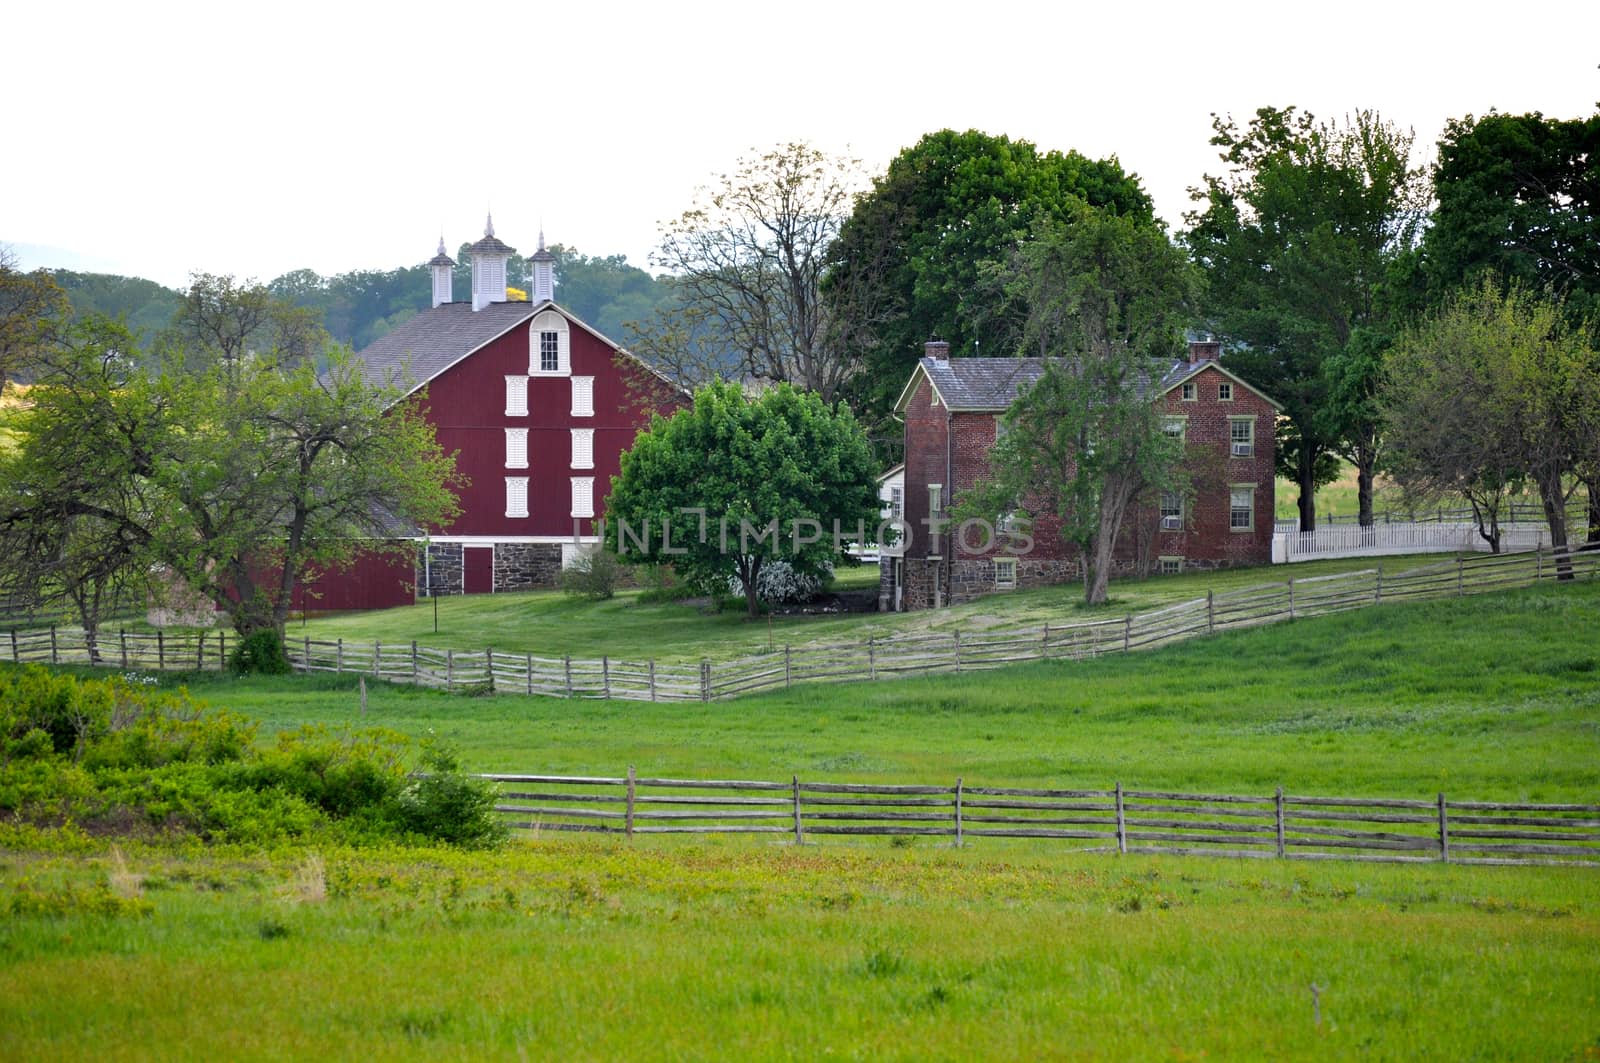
(431, 342)
(994, 383)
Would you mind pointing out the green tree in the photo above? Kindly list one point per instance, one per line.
(31, 307)
(1104, 299)
(1494, 387)
(906, 265)
(738, 482)
(1297, 239)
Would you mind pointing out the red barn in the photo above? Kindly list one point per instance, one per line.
(538, 408)
(951, 409)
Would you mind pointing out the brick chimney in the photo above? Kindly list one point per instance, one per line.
(1204, 351)
(939, 349)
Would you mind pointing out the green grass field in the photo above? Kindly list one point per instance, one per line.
(715, 947)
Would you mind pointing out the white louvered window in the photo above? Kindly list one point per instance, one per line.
(516, 396)
(549, 345)
(516, 448)
(583, 496)
(583, 448)
(583, 396)
(516, 496)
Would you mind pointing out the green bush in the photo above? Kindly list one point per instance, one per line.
(593, 574)
(260, 653)
(445, 804)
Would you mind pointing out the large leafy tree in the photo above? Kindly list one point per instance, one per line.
(31, 306)
(1104, 299)
(1519, 196)
(725, 487)
(907, 264)
(236, 466)
(1298, 239)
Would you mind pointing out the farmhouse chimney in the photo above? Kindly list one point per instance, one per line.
(489, 257)
(544, 272)
(443, 267)
(939, 349)
(1204, 351)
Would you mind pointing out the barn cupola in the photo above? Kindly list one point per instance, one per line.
(443, 267)
(544, 273)
(489, 257)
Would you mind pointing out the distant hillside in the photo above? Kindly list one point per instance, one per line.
(362, 305)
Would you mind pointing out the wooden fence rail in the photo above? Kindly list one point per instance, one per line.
(1275, 825)
(495, 671)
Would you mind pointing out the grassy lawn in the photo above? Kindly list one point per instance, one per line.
(551, 624)
(1495, 697)
(562, 949)
(1341, 498)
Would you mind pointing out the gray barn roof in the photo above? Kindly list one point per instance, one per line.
(424, 346)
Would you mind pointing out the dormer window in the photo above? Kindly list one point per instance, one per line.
(549, 345)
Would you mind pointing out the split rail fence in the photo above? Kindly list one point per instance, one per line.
(1120, 820)
(955, 652)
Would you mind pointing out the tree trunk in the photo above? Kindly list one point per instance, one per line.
(1592, 487)
(1487, 516)
(748, 575)
(1554, 498)
(1365, 461)
(1306, 475)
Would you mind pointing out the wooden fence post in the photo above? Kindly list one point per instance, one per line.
(308, 653)
(338, 657)
(872, 659)
(1044, 643)
(652, 679)
(15, 656)
(1461, 564)
(1291, 597)
(161, 650)
(1211, 612)
(1122, 826)
(449, 670)
(628, 823)
(222, 650)
(958, 813)
(1127, 633)
(54, 656)
(1538, 568)
(1444, 832)
(1377, 593)
(958, 652)
(529, 663)
(122, 638)
(416, 672)
(605, 676)
(1278, 808)
(566, 664)
(788, 671)
(200, 653)
(705, 680)
(799, 835)
(377, 658)
(488, 665)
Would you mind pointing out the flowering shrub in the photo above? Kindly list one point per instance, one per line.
(778, 583)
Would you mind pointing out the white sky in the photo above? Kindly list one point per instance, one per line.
(156, 138)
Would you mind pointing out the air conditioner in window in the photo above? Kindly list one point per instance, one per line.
(1171, 523)
(1243, 450)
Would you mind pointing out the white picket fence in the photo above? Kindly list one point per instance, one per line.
(1418, 537)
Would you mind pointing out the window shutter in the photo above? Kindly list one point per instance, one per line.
(516, 396)
(583, 448)
(516, 448)
(583, 396)
(583, 496)
(516, 496)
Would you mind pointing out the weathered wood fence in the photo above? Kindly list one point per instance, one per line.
(1289, 826)
(489, 670)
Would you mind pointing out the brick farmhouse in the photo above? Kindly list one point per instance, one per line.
(951, 410)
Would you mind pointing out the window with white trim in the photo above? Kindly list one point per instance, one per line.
(583, 496)
(896, 502)
(1176, 427)
(516, 448)
(1225, 392)
(516, 496)
(1171, 511)
(549, 345)
(516, 396)
(1242, 507)
(583, 396)
(583, 448)
(1170, 566)
(935, 499)
(1005, 573)
(1188, 392)
(1242, 436)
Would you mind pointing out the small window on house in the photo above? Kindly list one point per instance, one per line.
(1005, 573)
(896, 502)
(516, 496)
(549, 352)
(1171, 511)
(1175, 427)
(1242, 435)
(583, 448)
(516, 448)
(1225, 391)
(1171, 566)
(583, 396)
(516, 396)
(583, 496)
(1242, 507)
(1188, 392)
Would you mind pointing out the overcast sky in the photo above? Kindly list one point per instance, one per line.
(159, 138)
